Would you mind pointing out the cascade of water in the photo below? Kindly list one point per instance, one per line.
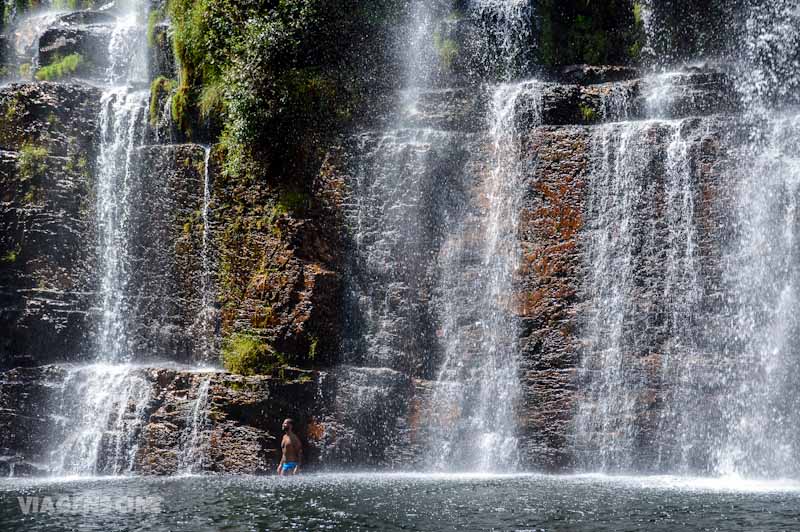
(761, 404)
(208, 313)
(760, 268)
(625, 239)
(478, 386)
(193, 440)
(387, 212)
(102, 437)
(508, 26)
(121, 117)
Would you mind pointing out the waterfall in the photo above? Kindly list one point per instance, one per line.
(634, 335)
(508, 27)
(193, 440)
(208, 313)
(760, 406)
(102, 440)
(686, 368)
(103, 429)
(473, 406)
(121, 118)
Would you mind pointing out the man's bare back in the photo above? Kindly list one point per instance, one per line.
(291, 450)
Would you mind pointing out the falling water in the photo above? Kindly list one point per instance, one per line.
(121, 117)
(208, 313)
(193, 439)
(639, 314)
(508, 26)
(111, 397)
(103, 430)
(473, 407)
(760, 269)
(761, 404)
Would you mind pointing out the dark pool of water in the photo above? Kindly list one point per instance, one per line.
(398, 502)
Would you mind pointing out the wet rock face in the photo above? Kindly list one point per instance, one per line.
(46, 214)
(279, 258)
(48, 269)
(238, 430)
(43, 39)
(162, 60)
(166, 253)
(562, 160)
(57, 116)
(549, 278)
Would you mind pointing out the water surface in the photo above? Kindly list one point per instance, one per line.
(389, 502)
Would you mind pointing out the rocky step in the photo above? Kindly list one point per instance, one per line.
(239, 432)
(562, 102)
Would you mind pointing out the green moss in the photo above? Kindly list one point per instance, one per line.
(291, 202)
(155, 16)
(588, 113)
(638, 17)
(12, 109)
(180, 108)
(71, 5)
(25, 70)
(582, 31)
(159, 88)
(32, 162)
(30, 197)
(447, 49)
(248, 354)
(60, 68)
(312, 349)
(212, 99)
(10, 257)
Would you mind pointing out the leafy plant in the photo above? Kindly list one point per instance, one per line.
(588, 113)
(32, 162)
(60, 68)
(247, 354)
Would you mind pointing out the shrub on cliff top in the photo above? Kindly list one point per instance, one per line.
(279, 73)
(60, 68)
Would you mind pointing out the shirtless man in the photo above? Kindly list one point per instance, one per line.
(292, 450)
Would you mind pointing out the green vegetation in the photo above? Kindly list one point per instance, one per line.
(25, 70)
(291, 202)
(10, 256)
(638, 16)
(249, 355)
(160, 88)
(580, 31)
(60, 68)
(155, 16)
(212, 100)
(447, 49)
(278, 77)
(72, 5)
(272, 84)
(32, 162)
(312, 350)
(588, 113)
(12, 109)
